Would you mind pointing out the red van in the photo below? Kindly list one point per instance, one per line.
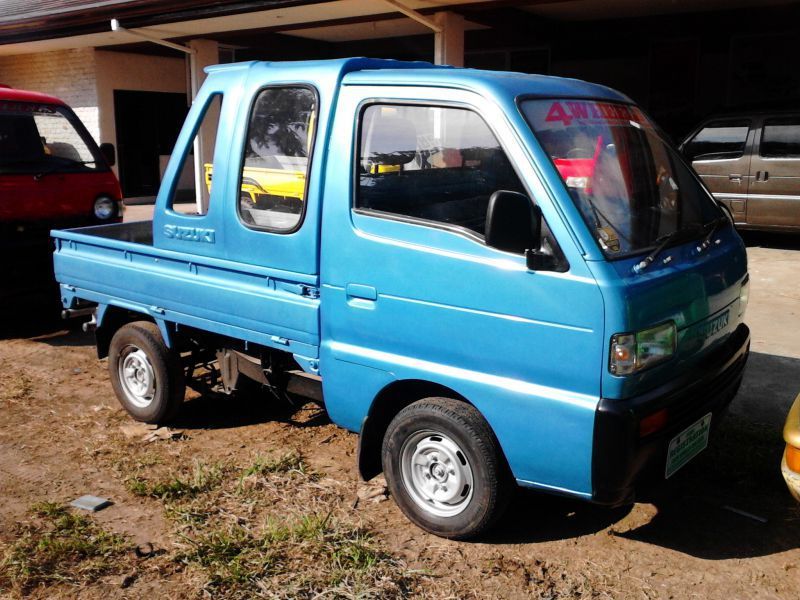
(52, 175)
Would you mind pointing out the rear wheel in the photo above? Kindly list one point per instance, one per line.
(445, 469)
(145, 374)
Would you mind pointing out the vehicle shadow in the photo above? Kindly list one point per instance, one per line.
(213, 410)
(51, 330)
(536, 516)
(700, 511)
(778, 241)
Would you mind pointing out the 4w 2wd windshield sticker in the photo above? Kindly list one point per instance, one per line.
(568, 112)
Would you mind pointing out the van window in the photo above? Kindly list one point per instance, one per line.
(272, 190)
(780, 138)
(433, 163)
(718, 140)
(183, 197)
(44, 138)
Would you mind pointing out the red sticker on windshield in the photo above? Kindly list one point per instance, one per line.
(568, 111)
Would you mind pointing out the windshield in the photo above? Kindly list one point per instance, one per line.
(43, 138)
(631, 187)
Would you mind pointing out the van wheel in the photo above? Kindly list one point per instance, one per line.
(445, 468)
(146, 375)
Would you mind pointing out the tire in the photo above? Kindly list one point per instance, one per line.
(146, 375)
(439, 442)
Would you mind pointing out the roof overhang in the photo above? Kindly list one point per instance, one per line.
(63, 30)
(28, 26)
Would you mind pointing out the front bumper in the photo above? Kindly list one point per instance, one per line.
(622, 460)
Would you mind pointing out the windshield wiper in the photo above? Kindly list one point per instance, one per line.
(54, 168)
(666, 240)
(712, 226)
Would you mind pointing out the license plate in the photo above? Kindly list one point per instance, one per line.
(687, 444)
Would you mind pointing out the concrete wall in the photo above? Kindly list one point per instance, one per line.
(138, 72)
(67, 74)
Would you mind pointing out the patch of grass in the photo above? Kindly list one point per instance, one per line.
(291, 463)
(203, 478)
(305, 557)
(235, 540)
(287, 463)
(58, 546)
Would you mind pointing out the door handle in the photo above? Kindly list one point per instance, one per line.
(362, 292)
(762, 175)
(735, 178)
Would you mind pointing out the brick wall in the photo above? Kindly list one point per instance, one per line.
(66, 74)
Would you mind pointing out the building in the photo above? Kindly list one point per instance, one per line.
(680, 59)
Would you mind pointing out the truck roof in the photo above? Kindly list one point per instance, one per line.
(8, 93)
(368, 71)
(514, 84)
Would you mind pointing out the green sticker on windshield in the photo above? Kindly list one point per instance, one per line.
(608, 239)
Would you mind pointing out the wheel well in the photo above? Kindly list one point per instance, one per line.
(390, 401)
(113, 319)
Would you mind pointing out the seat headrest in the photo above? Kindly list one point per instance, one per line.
(392, 141)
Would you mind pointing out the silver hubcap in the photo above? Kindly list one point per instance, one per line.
(137, 376)
(436, 473)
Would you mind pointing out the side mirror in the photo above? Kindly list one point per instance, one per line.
(513, 223)
(109, 153)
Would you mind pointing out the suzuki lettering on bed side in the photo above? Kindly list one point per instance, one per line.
(190, 234)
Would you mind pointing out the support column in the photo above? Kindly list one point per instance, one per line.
(204, 53)
(449, 42)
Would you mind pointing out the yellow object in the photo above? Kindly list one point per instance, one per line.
(790, 463)
(380, 169)
(258, 181)
(791, 430)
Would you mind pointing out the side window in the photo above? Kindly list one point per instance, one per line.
(276, 156)
(433, 163)
(719, 140)
(780, 138)
(183, 198)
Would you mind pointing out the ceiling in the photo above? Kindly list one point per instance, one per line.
(330, 21)
(587, 10)
(337, 13)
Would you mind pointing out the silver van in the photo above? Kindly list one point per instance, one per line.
(751, 162)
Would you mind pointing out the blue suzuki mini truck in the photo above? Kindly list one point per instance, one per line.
(494, 278)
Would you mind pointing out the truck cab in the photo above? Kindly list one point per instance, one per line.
(52, 174)
(482, 313)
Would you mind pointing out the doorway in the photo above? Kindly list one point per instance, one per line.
(147, 125)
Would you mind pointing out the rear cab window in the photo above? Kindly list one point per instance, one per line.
(719, 140)
(182, 200)
(277, 153)
(630, 185)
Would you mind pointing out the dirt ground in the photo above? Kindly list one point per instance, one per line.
(726, 527)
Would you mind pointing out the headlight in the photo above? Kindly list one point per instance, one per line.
(105, 208)
(744, 295)
(632, 352)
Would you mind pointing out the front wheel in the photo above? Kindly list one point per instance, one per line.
(445, 468)
(145, 374)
